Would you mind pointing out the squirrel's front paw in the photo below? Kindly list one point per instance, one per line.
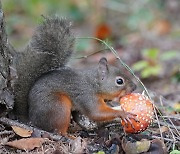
(126, 116)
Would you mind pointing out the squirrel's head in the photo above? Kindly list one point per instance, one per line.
(112, 81)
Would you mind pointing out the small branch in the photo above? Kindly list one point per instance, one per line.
(165, 124)
(52, 136)
(86, 56)
(5, 132)
(166, 139)
(172, 117)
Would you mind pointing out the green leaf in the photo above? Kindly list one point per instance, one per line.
(175, 152)
(151, 71)
(140, 65)
(169, 55)
(100, 152)
(151, 53)
(141, 15)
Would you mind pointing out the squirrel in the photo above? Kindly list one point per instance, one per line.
(47, 90)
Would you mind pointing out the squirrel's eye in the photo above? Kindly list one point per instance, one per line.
(119, 81)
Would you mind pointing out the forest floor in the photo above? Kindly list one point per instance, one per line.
(164, 90)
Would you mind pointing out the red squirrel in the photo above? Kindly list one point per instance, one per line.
(46, 90)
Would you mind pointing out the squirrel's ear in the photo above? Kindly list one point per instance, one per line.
(103, 68)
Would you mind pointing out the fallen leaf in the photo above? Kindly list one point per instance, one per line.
(22, 131)
(142, 146)
(157, 147)
(135, 147)
(78, 145)
(100, 152)
(164, 129)
(26, 144)
(177, 106)
(175, 152)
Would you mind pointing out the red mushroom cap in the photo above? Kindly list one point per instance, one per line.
(141, 106)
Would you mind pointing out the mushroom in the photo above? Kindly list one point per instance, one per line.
(141, 106)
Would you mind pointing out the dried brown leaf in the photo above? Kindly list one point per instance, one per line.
(22, 131)
(26, 144)
(157, 147)
(164, 129)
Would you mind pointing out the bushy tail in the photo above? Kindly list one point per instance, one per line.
(51, 47)
(54, 36)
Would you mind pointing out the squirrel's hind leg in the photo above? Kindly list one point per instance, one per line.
(52, 114)
(62, 122)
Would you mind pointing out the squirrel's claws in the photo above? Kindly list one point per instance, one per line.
(133, 116)
(127, 116)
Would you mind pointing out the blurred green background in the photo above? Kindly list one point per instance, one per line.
(142, 31)
(145, 33)
(122, 16)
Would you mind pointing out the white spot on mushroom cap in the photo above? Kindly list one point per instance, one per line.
(148, 115)
(141, 103)
(140, 98)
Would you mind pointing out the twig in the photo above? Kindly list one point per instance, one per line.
(169, 145)
(174, 140)
(166, 139)
(6, 135)
(86, 56)
(5, 132)
(52, 136)
(165, 124)
(168, 125)
(173, 117)
(174, 126)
